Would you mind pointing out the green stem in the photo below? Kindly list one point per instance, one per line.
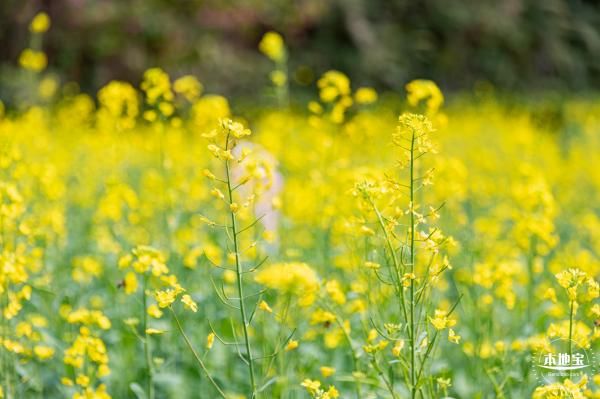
(283, 96)
(348, 339)
(240, 285)
(400, 288)
(572, 308)
(497, 387)
(531, 282)
(413, 381)
(429, 349)
(148, 358)
(198, 359)
(6, 354)
(284, 316)
(381, 374)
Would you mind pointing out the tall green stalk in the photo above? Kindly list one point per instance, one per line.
(413, 382)
(396, 264)
(147, 356)
(570, 343)
(6, 354)
(240, 283)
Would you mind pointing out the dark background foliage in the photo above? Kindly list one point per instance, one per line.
(516, 45)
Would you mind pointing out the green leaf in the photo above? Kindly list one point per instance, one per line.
(137, 389)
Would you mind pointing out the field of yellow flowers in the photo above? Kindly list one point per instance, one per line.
(157, 244)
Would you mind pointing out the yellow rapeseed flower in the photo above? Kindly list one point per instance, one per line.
(40, 23)
(291, 345)
(365, 95)
(272, 46)
(327, 371)
(33, 60)
(189, 303)
(154, 311)
(165, 298)
(210, 340)
(294, 277)
(130, 283)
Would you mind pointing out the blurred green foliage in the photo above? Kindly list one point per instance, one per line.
(514, 44)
